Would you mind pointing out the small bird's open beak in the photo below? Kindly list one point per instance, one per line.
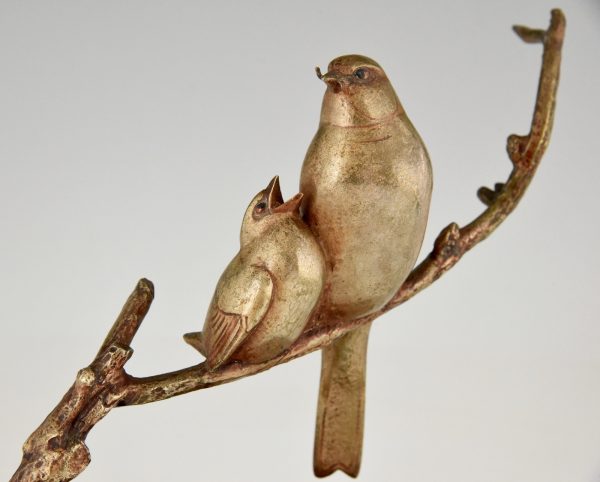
(273, 194)
(274, 199)
(290, 206)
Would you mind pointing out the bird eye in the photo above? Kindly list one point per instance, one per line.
(260, 207)
(361, 74)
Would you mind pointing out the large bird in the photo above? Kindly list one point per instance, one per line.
(367, 183)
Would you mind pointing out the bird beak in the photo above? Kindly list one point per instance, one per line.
(332, 79)
(291, 206)
(273, 195)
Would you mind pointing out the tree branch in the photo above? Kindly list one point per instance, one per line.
(56, 452)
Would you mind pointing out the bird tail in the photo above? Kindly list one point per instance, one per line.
(341, 408)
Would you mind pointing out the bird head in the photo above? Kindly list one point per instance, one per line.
(358, 93)
(266, 209)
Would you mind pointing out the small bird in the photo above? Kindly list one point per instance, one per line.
(367, 183)
(268, 291)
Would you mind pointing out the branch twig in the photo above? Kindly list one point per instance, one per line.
(56, 451)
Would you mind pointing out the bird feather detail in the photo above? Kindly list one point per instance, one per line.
(241, 301)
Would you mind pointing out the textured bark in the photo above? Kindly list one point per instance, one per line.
(56, 451)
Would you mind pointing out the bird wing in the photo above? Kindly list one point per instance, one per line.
(242, 298)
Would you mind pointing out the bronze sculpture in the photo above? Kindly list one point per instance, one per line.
(56, 450)
(367, 184)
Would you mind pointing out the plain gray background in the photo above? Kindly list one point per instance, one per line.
(134, 133)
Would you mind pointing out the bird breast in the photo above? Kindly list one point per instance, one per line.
(294, 260)
(367, 193)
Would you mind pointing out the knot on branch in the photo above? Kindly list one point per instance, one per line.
(516, 147)
(54, 461)
(78, 456)
(488, 196)
(86, 377)
(112, 359)
(447, 249)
